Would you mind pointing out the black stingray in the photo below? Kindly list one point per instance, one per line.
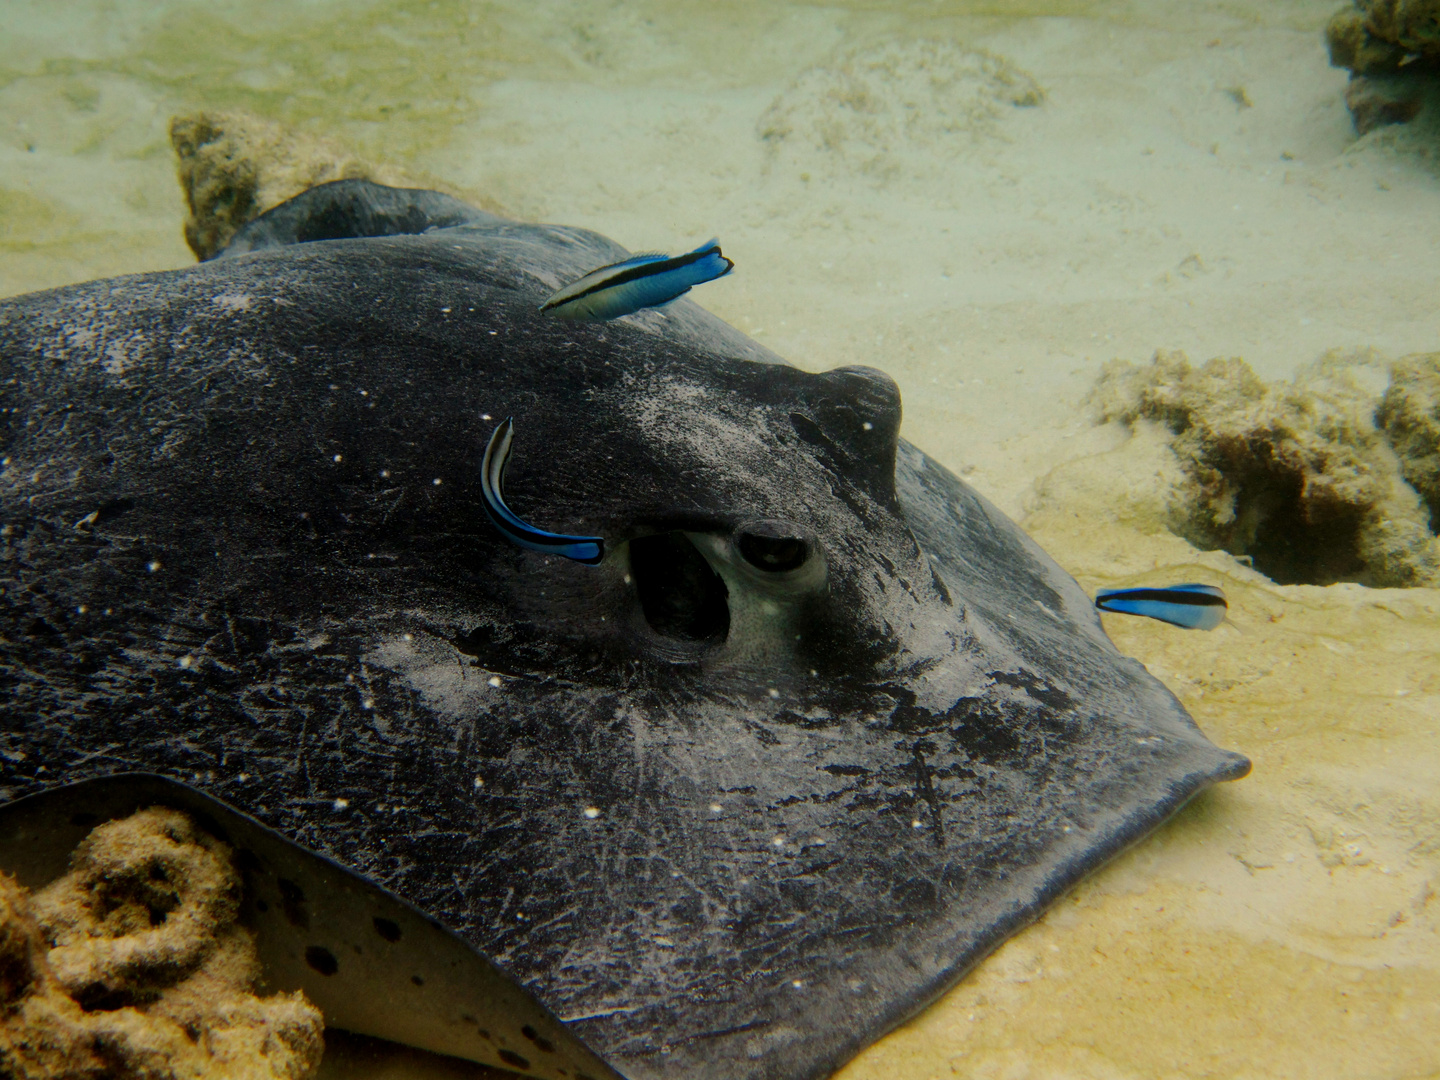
(729, 810)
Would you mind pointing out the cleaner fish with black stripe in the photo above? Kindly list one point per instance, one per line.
(643, 281)
(1192, 605)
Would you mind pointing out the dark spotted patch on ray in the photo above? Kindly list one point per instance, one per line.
(512, 1058)
(386, 928)
(292, 903)
(539, 1040)
(321, 959)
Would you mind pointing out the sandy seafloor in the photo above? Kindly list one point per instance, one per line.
(1191, 181)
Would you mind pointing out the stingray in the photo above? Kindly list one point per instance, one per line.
(725, 814)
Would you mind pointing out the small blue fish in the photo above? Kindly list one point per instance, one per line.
(1195, 607)
(585, 549)
(640, 282)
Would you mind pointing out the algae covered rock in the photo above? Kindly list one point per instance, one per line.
(1409, 413)
(234, 166)
(1300, 477)
(1392, 50)
(133, 966)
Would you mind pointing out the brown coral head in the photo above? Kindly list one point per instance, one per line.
(140, 908)
(22, 947)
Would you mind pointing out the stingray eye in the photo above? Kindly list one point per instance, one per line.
(772, 546)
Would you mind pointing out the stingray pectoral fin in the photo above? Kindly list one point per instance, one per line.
(1192, 605)
(585, 549)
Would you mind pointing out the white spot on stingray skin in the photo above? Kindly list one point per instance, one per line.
(916, 823)
(778, 841)
(592, 812)
(479, 783)
(153, 565)
(774, 693)
(233, 301)
(81, 337)
(186, 661)
(116, 360)
(341, 804)
(494, 681)
(715, 808)
(337, 459)
(868, 426)
(798, 984)
(437, 481)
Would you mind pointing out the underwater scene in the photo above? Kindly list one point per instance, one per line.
(743, 540)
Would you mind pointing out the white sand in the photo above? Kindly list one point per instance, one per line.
(991, 257)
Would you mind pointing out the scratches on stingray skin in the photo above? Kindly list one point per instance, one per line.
(926, 790)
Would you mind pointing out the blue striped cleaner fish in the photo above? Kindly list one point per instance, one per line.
(1193, 606)
(639, 282)
(585, 549)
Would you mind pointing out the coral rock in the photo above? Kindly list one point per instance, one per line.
(1410, 416)
(1392, 49)
(132, 967)
(1299, 477)
(234, 167)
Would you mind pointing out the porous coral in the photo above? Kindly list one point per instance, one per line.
(1392, 50)
(1299, 477)
(234, 166)
(132, 967)
(1409, 414)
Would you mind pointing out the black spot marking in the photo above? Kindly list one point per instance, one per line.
(386, 928)
(417, 980)
(321, 959)
(512, 1058)
(248, 861)
(539, 1040)
(84, 821)
(292, 902)
(261, 906)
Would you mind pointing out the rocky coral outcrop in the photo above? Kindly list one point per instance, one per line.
(132, 966)
(234, 166)
(1309, 479)
(1392, 51)
(1409, 414)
